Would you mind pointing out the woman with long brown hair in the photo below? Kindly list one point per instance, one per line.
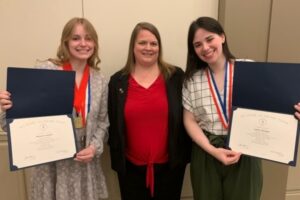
(148, 143)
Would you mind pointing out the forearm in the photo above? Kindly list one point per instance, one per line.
(196, 133)
(101, 124)
(97, 141)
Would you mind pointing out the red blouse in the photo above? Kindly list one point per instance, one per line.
(146, 118)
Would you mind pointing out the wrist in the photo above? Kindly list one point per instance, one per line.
(212, 150)
(93, 148)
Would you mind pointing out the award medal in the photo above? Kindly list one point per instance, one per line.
(78, 121)
(223, 106)
(81, 97)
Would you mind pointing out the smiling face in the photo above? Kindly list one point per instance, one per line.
(146, 49)
(80, 45)
(208, 46)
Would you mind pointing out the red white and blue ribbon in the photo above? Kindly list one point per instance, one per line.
(82, 93)
(223, 106)
(88, 98)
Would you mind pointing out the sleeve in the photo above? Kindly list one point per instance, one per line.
(244, 60)
(113, 112)
(3, 120)
(45, 64)
(100, 134)
(187, 96)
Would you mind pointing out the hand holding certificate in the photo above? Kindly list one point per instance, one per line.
(267, 135)
(263, 123)
(40, 140)
(39, 124)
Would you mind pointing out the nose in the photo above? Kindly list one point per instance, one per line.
(205, 46)
(83, 42)
(148, 46)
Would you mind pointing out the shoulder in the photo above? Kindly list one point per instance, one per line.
(177, 72)
(46, 65)
(97, 72)
(196, 81)
(97, 77)
(197, 76)
(119, 75)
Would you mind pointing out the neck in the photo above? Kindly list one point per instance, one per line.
(218, 66)
(78, 66)
(145, 76)
(146, 70)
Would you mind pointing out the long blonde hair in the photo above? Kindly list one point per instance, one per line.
(63, 54)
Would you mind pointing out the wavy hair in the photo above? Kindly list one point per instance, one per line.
(63, 54)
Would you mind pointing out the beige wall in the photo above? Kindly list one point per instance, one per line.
(284, 46)
(246, 24)
(31, 30)
(267, 31)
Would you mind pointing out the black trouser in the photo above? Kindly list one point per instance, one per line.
(167, 182)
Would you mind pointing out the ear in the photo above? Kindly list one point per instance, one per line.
(223, 38)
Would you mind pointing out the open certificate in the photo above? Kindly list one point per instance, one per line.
(267, 135)
(40, 140)
(263, 124)
(39, 125)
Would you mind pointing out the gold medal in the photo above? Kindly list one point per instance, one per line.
(78, 122)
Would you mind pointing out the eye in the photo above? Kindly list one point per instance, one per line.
(197, 44)
(88, 38)
(154, 44)
(209, 39)
(142, 42)
(75, 38)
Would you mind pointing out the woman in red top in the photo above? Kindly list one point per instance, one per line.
(149, 146)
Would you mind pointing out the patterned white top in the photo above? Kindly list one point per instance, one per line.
(69, 179)
(197, 99)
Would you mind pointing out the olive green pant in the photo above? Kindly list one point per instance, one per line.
(211, 180)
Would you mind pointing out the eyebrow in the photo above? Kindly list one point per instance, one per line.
(210, 36)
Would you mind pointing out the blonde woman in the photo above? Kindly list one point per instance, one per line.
(81, 178)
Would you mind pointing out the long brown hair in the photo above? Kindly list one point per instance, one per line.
(165, 68)
(63, 54)
(194, 63)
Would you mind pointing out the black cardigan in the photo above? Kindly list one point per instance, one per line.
(179, 143)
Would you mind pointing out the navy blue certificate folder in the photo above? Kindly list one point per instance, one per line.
(271, 87)
(39, 125)
(40, 92)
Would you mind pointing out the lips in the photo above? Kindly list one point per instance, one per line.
(147, 53)
(208, 54)
(83, 50)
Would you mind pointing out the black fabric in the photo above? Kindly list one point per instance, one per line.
(168, 183)
(179, 143)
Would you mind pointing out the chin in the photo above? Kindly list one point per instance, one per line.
(83, 57)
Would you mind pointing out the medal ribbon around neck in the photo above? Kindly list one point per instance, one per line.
(223, 107)
(81, 93)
